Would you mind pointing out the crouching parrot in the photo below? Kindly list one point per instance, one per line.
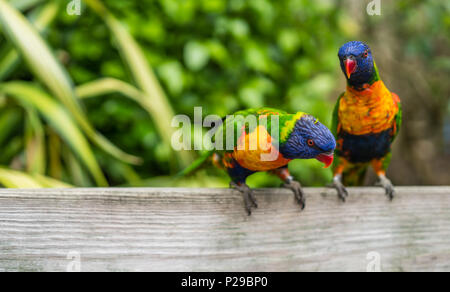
(267, 146)
(366, 120)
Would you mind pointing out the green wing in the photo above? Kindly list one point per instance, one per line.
(398, 123)
(260, 111)
(335, 118)
(334, 127)
(398, 119)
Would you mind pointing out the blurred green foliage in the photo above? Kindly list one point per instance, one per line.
(221, 55)
(218, 54)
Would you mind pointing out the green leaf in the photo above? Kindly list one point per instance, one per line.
(10, 120)
(171, 73)
(8, 63)
(41, 18)
(196, 55)
(107, 86)
(24, 4)
(34, 142)
(58, 117)
(50, 72)
(144, 77)
(16, 179)
(48, 182)
(78, 176)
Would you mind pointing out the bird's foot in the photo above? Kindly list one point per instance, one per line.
(340, 188)
(386, 184)
(249, 197)
(296, 187)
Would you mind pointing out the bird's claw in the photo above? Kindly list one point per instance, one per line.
(249, 197)
(296, 187)
(341, 190)
(385, 183)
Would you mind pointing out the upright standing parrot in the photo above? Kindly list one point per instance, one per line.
(297, 136)
(366, 120)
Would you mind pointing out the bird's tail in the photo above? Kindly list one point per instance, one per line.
(354, 175)
(194, 165)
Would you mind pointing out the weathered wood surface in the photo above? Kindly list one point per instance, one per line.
(156, 229)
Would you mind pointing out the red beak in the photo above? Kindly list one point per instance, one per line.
(350, 67)
(326, 159)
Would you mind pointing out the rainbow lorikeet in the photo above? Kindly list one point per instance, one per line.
(366, 119)
(294, 136)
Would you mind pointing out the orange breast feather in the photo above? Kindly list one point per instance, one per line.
(369, 111)
(255, 151)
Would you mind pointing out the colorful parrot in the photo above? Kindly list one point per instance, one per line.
(366, 119)
(297, 136)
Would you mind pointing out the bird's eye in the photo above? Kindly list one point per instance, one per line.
(365, 54)
(310, 142)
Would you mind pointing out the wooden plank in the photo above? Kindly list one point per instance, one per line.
(159, 229)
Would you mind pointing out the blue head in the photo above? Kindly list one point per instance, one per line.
(309, 139)
(357, 63)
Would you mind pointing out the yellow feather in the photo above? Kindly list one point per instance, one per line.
(252, 147)
(286, 129)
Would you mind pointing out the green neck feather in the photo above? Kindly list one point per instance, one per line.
(287, 124)
(374, 78)
(375, 75)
